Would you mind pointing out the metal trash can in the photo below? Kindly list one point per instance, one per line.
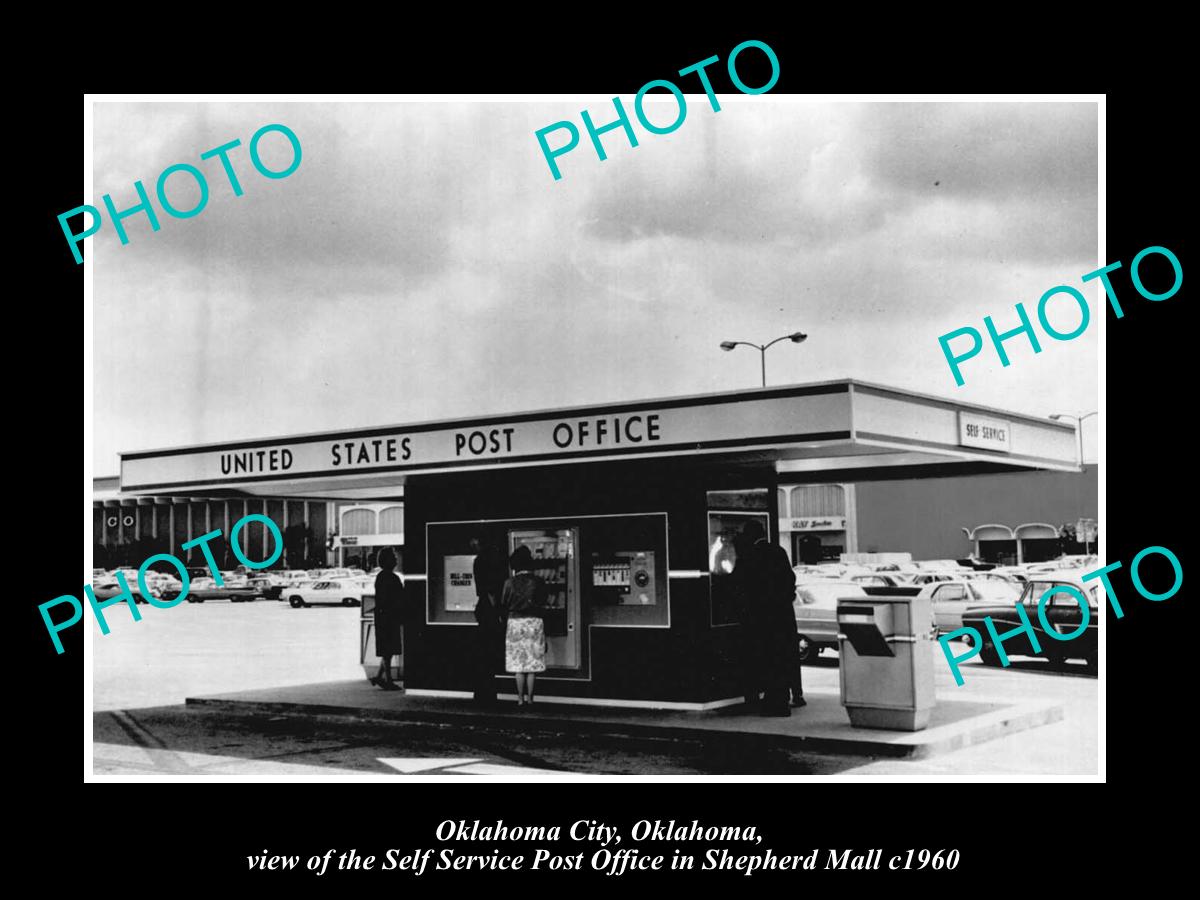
(367, 655)
(885, 644)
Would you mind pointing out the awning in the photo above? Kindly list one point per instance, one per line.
(846, 426)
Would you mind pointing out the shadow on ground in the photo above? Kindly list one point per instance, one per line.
(343, 745)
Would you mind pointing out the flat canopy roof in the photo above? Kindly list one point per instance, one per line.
(809, 428)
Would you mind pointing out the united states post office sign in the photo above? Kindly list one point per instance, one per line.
(984, 433)
(816, 414)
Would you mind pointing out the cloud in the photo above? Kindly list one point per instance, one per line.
(422, 263)
(970, 178)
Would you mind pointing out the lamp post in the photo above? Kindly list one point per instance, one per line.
(795, 337)
(1078, 428)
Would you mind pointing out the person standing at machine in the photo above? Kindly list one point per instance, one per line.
(523, 600)
(490, 572)
(389, 621)
(768, 588)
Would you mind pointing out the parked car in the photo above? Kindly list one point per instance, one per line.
(168, 586)
(107, 587)
(1005, 577)
(1042, 568)
(950, 599)
(1062, 612)
(294, 576)
(269, 584)
(1015, 573)
(922, 578)
(347, 592)
(206, 589)
(813, 573)
(879, 579)
(816, 614)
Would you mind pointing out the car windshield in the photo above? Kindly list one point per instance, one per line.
(827, 594)
(1035, 589)
(989, 590)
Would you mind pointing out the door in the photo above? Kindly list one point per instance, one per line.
(949, 604)
(556, 561)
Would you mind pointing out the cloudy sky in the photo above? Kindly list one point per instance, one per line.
(422, 262)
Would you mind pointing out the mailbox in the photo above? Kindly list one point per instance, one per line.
(886, 652)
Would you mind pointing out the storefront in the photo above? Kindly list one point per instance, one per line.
(129, 526)
(366, 528)
(630, 511)
(816, 521)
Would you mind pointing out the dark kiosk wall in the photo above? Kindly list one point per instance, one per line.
(690, 662)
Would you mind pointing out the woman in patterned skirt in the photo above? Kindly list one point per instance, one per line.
(524, 602)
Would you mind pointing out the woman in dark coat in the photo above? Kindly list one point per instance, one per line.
(389, 605)
(768, 588)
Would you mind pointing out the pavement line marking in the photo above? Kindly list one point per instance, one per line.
(155, 748)
(123, 755)
(226, 765)
(497, 769)
(409, 765)
(128, 756)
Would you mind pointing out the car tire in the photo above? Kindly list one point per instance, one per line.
(988, 655)
(807, 649)
(297, 602)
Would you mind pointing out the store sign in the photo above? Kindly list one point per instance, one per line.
(984, 433)
(820, 523)
(459, 583)
(349, 541)
(617, 431)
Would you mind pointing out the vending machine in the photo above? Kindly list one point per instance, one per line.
(624, 577)
(556, 562)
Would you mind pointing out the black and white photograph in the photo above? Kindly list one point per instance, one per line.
(534, 439)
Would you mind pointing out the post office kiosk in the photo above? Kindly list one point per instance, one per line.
(629, 509)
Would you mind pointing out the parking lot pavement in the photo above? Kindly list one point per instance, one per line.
(1069, 747)
(144, 671)
(219, 646)
(195, 741)
(174, 741)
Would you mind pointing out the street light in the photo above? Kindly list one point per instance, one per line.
(1079, 428)
(795, 337)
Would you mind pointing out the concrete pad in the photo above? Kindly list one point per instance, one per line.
(820, 727)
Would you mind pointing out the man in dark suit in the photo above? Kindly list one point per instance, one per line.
(490, 570)
(767, 586)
